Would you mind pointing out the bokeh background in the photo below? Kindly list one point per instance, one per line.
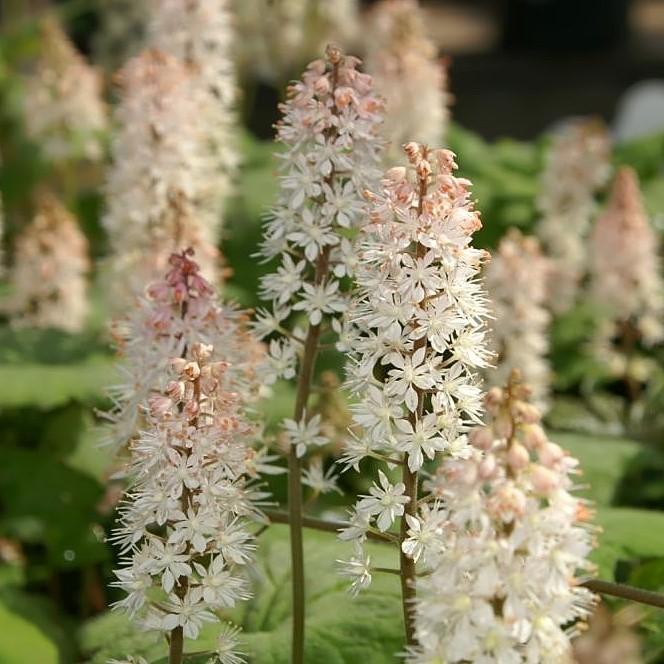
(518, 70)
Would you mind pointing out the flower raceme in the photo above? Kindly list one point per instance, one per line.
(160, 189)
(64, 105)
(173, 315)
(184, 521)
(577, 168)
(506, 563)
(199, 34)
(625, 270)
(416, 340)
(405, 65)
(330, 131)
(49, 275)
(517, 280)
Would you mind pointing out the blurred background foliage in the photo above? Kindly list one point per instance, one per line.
(56, 502)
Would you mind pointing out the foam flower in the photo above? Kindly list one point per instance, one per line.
(517, 279)
(417, 280)
(199, 33)
(161, 189)
(625, 270)
(188, 490)
(404, 62)
(48, 277)
(63, 99)
(176, 313)
(504, 580)
(577, 167)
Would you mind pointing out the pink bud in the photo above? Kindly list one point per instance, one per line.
(322, 86)
(202, 352)
(178, 364)
(487, 466)
(550, 454)
(481, 438)
(175, 390)
(544, 480)
(191, 370)
(517, 456)
(159, 405)
(191, 409)
(534, 436)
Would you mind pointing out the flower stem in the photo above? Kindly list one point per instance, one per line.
(295, 474)
(176, 646)
(406, 563)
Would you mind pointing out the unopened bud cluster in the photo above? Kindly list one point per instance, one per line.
(404, 62)
(63, 100)
(160, 189)
(506, 569)
(518, 278)
(577, 168)
(625, 269)
(49, 274)
(175, 314)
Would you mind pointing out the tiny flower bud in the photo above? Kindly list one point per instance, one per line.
(518, 456)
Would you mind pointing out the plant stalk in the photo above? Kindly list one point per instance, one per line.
(295, 511)
(406, 563)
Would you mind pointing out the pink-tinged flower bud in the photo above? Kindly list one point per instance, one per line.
(544, 480)
(507, 503)
(160, 405)
(517, 456)
(487, 466)
(344, 97)
(534, 436)
(178, 364)
(202, 352)
(526, 412)
(334, 54)
(175, 390)
(494, 398)
(481, 437)
(191, 370)
(191, 409)
(322, 86)
(413, 152)
(550, 454)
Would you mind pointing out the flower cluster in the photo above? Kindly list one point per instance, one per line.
(405, 65)
(198, 33)
(160, 187)
(279, 37)
(625, 270)
(183, 526)
(330, 126)
(416, 335)
(175, 314)
(48, 277)
(577, 167)
(517, 280)
(63, 101)
(504, 583)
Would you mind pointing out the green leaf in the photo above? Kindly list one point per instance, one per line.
(603, 461)
(22, 641)
(340, 629)
(47, 502)
(50, 385)
(628, 535)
